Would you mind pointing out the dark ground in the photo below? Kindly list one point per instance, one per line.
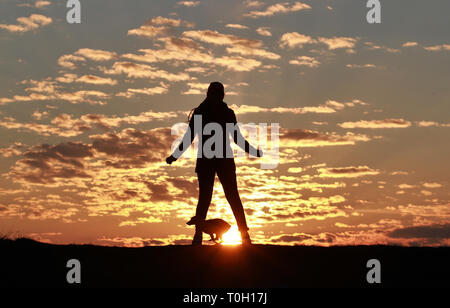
(26, 263)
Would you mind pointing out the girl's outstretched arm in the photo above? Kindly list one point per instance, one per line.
(240, 140)
(185, 142)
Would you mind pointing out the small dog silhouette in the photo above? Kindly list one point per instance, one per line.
(214, 227)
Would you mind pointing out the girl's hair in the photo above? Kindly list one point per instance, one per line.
(216, 91)
(190, 115)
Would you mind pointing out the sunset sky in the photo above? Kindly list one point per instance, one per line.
(86, 112)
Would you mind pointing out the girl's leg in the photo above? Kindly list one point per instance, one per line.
(227, 177)
(206, 185)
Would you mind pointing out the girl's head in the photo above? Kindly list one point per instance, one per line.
(216, 92)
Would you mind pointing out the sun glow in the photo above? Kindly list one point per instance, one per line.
(232, 237)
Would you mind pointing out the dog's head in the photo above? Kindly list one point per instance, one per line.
(194, 221)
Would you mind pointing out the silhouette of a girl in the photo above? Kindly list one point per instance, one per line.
(214, 110)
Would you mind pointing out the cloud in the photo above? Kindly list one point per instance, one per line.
(406, 186)
(186, 188)
(46, 163)
(300, 208)
(291, 238)
(338, 42)
(132, 148)
(253, 3)
(42, 209)
(347, 172)
(73, 97)
(67, 61)
(375, 124)
(143, 242)
(399, 173)
(91, 120)
(41, 129)
(246, 51)
(243, 109)
(32, 97)
(92, 79)
(360, 66)
(365, 234)
(64, 125)
(41, 3)
(279, 8)
(83, 96)
(438, 47)
(294, 39)
(264, 31)
(436, 231)
(195, 69)
(44, 237)
(181, 49)
(196, 88)
(431, 123)
(134, 70)
(237, 63)
(217, 38)
(432, 185)
(41, 86)
(305, 61)
(410, 44)
(13, 150)
(236, 26)
(436, 212)
(162, 89)
(325, 238)
(188, 3)
(72, 162)
(5, 100)
(295, 170)
(330, 106)
(427, 123)
(373, 46)
(37, 4)
(96, 54)
(25, 24)
(185, 49)
(158, 26)
(131, 241)
(148, 31)
(426, 192)
(339, 106)
(309, 138)
(40, 115)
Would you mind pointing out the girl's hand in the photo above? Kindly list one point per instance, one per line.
(259, 153)
(170, 159)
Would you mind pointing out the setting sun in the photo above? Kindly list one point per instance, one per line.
(232, 237)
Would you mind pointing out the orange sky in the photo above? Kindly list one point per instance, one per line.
(86, 112)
